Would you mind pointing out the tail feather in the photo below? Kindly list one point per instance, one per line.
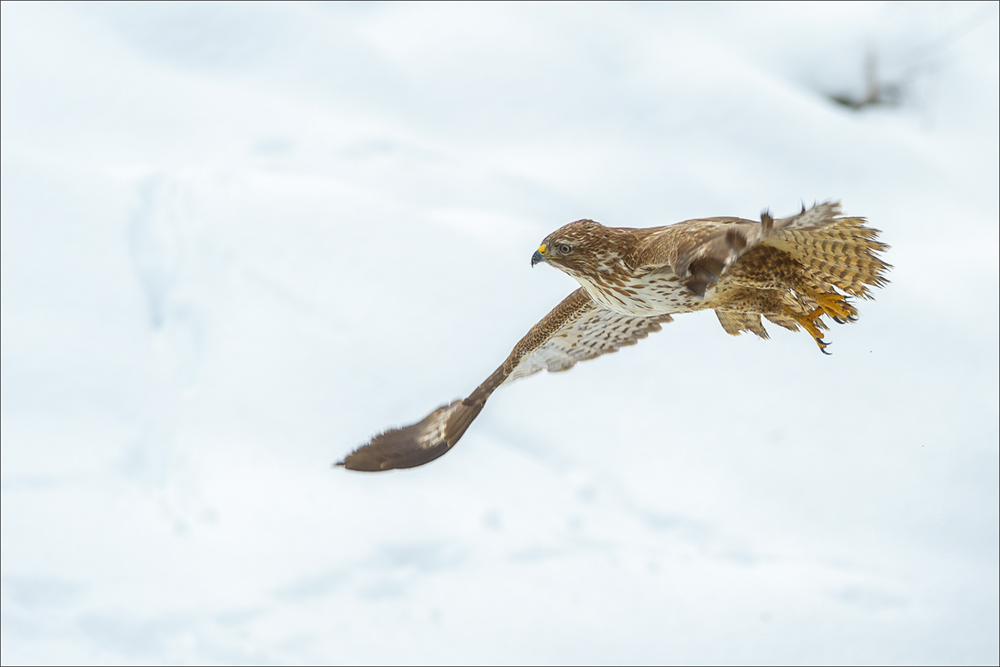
(837, 251)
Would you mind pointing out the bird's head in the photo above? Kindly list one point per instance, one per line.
(580, 247)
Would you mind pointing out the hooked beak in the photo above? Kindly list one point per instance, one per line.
(538, 256)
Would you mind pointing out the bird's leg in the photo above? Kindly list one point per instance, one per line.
(809, 323)
(835, 305)
(827, 303)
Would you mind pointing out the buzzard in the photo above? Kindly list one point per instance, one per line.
(793, 271)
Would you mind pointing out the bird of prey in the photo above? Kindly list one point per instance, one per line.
(793, 271)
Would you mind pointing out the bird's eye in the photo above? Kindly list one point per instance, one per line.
(563, 248)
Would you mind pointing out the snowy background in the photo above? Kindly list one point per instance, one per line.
(237, 240)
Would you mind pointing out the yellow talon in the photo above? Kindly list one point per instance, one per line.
(811, 324)
(827, 303)
(836, 306)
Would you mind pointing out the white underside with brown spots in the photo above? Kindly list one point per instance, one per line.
(657, 293)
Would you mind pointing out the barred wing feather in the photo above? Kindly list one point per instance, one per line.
(575, 330)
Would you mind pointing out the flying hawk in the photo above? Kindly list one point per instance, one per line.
(632, 280)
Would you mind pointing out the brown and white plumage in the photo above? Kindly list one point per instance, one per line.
(787, 270)
(575, 330)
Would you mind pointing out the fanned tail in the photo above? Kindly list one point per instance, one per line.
(841, 252)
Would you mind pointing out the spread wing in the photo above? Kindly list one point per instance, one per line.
(576, 330)
(700, 251)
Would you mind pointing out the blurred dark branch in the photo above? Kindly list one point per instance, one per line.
(876, 93)
(889, 93)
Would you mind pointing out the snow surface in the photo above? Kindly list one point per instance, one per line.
(237, 240)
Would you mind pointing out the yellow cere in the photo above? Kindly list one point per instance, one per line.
(541, 248)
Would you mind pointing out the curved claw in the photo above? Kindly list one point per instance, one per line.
(812, 323)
